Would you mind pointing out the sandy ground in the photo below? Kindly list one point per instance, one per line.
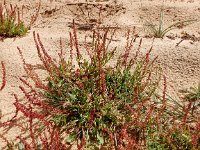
(181, 64)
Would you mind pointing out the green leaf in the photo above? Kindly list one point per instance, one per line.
(71, 138)
(21, 146)
(39, 147)
(61, 82)
(72, 97)
(51, 84)
(100, 139)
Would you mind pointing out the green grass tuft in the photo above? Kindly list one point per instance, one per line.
(10, 23)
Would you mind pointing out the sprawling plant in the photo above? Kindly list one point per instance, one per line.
(97, 100)
(92, 102)
(11, 23)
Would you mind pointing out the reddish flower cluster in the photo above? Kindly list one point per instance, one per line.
(3, 76)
